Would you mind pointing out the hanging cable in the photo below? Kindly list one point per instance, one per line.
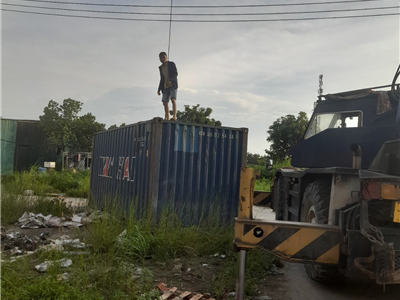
(170, 26)
(203, 14)
(202, 6)
(203, 21)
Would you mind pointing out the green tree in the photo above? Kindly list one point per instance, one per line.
(84, 128)
(256, 159)
(197, 115)
(115, 126)
(284, 133)
(64, 128)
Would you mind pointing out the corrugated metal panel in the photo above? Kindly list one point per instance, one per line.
(28, 151)
(8, 140)
(190, 168)
(121, 164)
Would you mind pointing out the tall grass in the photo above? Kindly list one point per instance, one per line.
(73, 184)
(15, 201)
(108, 272)
(123, 266)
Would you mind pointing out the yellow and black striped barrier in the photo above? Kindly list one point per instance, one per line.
(291, 241)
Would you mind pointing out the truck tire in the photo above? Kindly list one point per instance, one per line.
(315, 209)
(279, 198)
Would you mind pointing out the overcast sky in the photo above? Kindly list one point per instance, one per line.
(249, 73)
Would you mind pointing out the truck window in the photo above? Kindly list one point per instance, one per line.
(321, 122)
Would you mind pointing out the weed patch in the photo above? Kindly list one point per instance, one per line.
(127, 251)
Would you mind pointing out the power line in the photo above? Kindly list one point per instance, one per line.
(201, 6)
(203, 14)
(204, 21)
(170, 26)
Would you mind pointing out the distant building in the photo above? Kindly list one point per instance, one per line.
(22, 145)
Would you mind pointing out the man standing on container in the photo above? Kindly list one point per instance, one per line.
(168, 84)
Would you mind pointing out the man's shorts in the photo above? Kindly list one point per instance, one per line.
(169, 93)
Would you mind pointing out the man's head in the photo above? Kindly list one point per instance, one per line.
(163, 57)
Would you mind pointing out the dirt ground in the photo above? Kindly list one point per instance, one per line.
(195, 275)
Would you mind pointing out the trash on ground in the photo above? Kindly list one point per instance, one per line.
(121, 236)
(64, 263)
(43, 235)
(14, 258)
(16, 251)
(32, 221)
(64, 242)
(15, 239)
(62, 277)
(174, 293)
(81, 218)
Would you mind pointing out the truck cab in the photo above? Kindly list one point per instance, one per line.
(365, 117)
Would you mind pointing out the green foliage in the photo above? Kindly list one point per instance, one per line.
(267, 174)
(84, 128)
(72, 184)
(14, 203)
(196, 115)
(119, 266)
(64, 128)
(256, 159)
(110, 270)
(284, 133)
(263, 184)
(115, 126)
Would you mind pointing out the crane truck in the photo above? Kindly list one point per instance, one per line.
(337, 210)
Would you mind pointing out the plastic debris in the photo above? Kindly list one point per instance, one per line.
(27, 253)
(43, 235)
(64, 241)
(64, 263)
(121, 236)
(33, 221)
(21, 241)
(62, 277)
(16, 251)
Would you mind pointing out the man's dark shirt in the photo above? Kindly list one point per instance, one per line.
(173, 76)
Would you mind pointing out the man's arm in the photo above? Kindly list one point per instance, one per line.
(161, 84)
(173, 72)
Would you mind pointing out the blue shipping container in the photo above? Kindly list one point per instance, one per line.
(193, 169)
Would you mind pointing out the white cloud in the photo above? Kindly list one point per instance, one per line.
(249, 73)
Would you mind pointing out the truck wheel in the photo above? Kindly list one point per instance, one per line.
(279, 198)
(315, 209)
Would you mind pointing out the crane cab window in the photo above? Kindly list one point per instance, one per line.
(321, 122)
